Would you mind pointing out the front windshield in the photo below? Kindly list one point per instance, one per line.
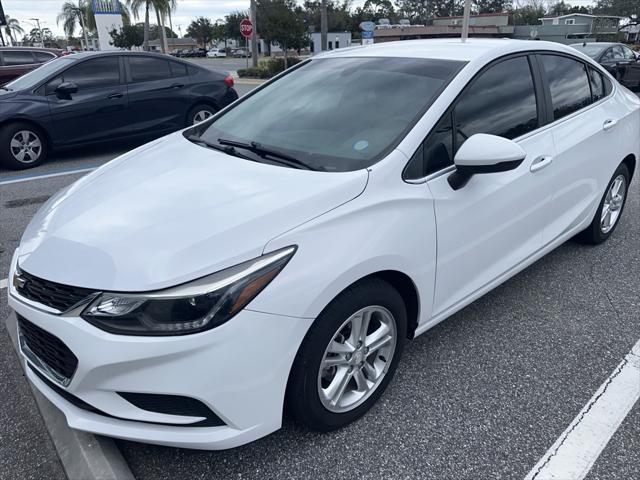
(34, 77)
(336, 114)
(593, 50)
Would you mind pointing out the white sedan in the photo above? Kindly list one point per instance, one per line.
(217, 53)
(283, 251)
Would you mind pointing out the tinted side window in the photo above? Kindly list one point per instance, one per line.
(145, 69)
(98, 72)
(17, 58)
(597, 84)
(438, 149)
(628, 54)
(568, 84)
(178, 69)
(502, 101)
(42, 57)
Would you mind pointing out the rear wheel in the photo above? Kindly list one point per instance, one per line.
(348, 356)
(22, 146)
(610, 209)
(200, 113)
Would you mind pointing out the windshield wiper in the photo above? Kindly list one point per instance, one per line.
(229, 150)
(259, 149)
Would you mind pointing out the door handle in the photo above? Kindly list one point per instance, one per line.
(177, 85)
(541, 162)
(114, 95)
(609, 123)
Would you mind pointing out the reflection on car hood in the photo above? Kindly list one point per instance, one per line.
(171, 212)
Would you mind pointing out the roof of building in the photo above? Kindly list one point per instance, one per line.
(447, 48)
(580, 15)
(505, 14)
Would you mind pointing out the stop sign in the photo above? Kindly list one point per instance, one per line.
(246, 28)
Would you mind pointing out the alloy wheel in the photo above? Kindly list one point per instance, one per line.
(613, 202)
(26, 146)
(357, 359)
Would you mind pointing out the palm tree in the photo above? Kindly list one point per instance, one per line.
(13, 27)
(71, 14)
(161, 7)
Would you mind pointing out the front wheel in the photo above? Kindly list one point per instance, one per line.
(348, 357)
(22, 146)
(610, 209)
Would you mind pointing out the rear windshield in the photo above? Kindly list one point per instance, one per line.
(590, 49)
(337, 114)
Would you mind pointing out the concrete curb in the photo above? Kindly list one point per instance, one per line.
(83, 455)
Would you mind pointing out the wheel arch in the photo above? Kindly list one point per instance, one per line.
(47, 135)
(630, 162)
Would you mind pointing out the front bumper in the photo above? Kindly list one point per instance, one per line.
(239, 370)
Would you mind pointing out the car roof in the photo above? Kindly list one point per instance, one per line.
(448, 49)
(600, 44)
(81, 55)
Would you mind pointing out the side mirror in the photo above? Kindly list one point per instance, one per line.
(483, 153)
(67, 88)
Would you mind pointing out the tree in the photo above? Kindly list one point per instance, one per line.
(71, 15)
(380, 9)
(490, 6)
(338, 15)
(621, 8)
(202, 30)
(527, 12)
(13, 29)
(280, 21)
(128, 36)
(136, 6)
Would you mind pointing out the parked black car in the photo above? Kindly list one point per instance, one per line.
(16, 61)
(97, 96)
(618, 59)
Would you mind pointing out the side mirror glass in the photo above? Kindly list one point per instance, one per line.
(483, 153)
(67, 88)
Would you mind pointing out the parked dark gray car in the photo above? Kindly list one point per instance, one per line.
(97, 96)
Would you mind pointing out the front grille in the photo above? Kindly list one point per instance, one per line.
(51, 294)
(48, 348)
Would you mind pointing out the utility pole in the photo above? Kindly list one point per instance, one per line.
(254, 34)
(323, 25)
(465, 20)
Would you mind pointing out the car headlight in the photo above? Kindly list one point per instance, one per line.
(189, 308)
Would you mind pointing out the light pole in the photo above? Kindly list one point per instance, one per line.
(254, 34)
(323, 25)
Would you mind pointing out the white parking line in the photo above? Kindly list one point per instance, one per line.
(26, 178)
(577, 449)
(3, 284)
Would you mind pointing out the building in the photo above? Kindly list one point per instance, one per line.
(174, 44)
(335, 40)
(481, 25)
(584, 25)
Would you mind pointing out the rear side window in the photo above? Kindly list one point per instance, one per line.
(568, 83)
(597, 84)
(178, 69)
(42, 57)
(94, 73)
(145, 69)
(17, 58)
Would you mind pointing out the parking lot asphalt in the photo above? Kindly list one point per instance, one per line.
(482, 395)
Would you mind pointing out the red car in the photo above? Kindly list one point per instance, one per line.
(16, 61)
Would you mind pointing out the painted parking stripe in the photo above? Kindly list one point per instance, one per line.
(576, 450)
(50, 173)
(3, 284)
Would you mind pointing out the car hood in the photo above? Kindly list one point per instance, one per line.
(170, 212)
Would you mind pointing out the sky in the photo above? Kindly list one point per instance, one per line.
(47, 11)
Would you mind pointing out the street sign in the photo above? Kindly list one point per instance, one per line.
(367, 26)
(246, 28)
(367, 34)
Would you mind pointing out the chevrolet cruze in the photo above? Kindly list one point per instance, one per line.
(278, 255)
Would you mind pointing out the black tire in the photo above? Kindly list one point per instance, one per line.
(10, 155)
(197, 109)
(303, 398)
(594, 234)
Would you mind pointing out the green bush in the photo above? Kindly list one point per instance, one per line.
(268, 67)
